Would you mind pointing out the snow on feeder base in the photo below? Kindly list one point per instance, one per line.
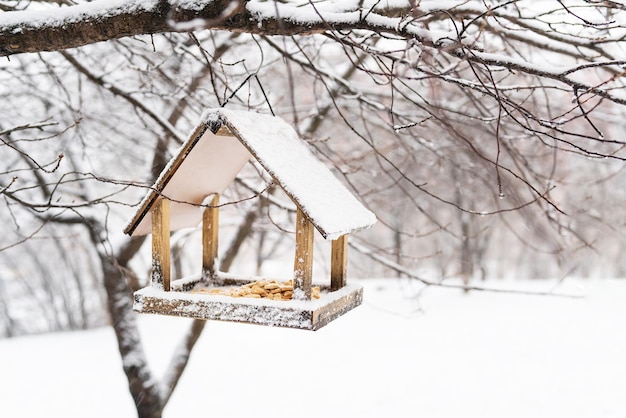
(300, 314)
(187, 193)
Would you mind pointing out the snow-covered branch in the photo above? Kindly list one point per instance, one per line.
(459, 32)
(55, 29)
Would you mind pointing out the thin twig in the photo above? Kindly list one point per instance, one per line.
(394, 266)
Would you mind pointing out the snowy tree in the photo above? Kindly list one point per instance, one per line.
(482, 133)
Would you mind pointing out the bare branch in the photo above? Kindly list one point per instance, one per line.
(394, 266)
(99, 80)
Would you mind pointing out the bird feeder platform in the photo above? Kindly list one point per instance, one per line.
(184, 300)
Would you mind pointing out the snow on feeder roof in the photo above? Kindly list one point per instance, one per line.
(187, 193)
(207, 163)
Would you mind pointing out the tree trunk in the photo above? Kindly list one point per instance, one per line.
(142, 385)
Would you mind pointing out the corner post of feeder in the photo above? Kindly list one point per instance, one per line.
(339, 262)
(161, 244)
(210, 228)
(303, 262)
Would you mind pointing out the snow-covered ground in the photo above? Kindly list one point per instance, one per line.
(445, 354)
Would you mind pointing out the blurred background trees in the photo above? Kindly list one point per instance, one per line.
(501, 158)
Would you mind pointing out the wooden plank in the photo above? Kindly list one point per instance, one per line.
(303, 260)
(338, 262)
(337, 306)
(161, 244)
(306, 315)
(223, 131)
(210, 229)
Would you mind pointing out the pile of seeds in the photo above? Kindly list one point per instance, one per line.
(269, 289)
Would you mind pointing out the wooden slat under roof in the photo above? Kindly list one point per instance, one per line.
(208, 163)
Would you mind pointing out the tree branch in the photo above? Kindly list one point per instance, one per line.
(165, 124)
(394, 266)
(70, 27)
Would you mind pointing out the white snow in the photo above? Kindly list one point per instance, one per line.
(481, 355)
(322, 197)
(35, 17)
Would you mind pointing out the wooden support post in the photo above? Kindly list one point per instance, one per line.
(303, 262)
(338, 262)
(161, 245)
(210, 229)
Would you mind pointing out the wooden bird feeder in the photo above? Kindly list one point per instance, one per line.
(187, 192)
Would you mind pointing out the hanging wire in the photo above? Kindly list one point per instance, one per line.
(243, 83)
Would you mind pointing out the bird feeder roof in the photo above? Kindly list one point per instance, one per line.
(222, 143)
